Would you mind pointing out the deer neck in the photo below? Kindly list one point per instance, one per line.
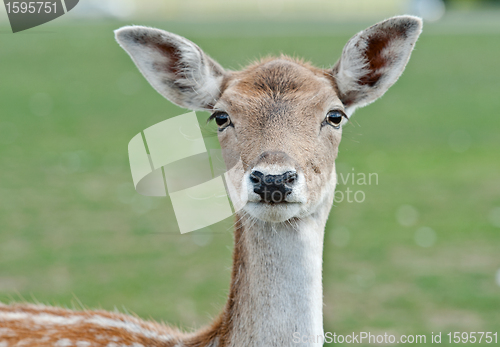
(276, 289)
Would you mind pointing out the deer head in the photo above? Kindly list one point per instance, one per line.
(279, 119)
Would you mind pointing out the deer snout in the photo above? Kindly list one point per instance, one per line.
(273, 189)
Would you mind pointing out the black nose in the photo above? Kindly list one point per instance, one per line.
(273, 188)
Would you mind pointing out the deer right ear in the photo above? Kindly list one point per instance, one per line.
(373, 60)
(177, 68)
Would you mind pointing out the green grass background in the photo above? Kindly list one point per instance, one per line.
(72, 228)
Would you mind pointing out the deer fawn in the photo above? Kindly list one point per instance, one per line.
(281, 120)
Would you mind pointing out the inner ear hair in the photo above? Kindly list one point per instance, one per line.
(176, 67)
(373, 60)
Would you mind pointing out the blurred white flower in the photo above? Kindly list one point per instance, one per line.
(494, 217)
(429, 10)
(407, 215)
(425, 237)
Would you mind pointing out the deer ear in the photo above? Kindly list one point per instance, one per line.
(177, 68)
(374, 59)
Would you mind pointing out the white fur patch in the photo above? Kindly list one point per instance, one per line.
(63, 343)
(128, 326)
(42, 319)
(282, 283)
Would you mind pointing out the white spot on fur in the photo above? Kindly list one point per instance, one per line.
(128, 326)
(43, 319)
(82, 344)
(6, 332)
(63, 343)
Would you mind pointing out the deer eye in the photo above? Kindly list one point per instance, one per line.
(335, 118)
(221, 119)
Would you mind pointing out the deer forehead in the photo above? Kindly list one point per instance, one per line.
(278, 89)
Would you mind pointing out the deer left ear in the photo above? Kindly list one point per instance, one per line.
(373, 60)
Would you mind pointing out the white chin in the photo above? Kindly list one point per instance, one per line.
(273, 213)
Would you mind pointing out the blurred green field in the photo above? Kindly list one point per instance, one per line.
(74, 231)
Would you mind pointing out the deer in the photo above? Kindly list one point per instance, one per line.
(280, 119)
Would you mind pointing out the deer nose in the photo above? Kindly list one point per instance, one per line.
(273, 189)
